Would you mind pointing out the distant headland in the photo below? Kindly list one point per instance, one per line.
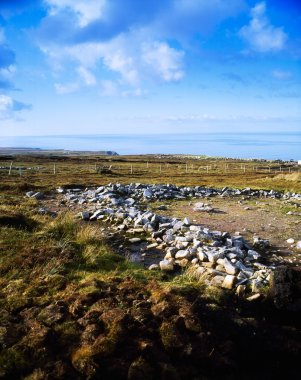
(53, 152)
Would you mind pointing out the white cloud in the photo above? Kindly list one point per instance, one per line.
(260, 34)
(281, 75)
(6, 102)
(67, 88)
(164, 60)
(86, 10)
(122, 63)
(10, 107)
(88, 78)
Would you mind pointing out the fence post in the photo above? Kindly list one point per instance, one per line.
(131, 169)
(54, 169)
(10, 167)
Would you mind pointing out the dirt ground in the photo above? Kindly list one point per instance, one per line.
(266, 218)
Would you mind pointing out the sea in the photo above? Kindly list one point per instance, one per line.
(271, 146)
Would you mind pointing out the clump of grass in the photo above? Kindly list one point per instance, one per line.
(87, 234)
(63, 227)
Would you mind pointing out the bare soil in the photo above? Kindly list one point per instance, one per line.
(266, 218)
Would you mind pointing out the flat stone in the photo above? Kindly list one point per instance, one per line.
(135, 240)
(153, 245)
(182, 254)
(254, 297)
(154, 267)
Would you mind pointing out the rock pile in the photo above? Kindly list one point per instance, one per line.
(215, 256)
(139, 191)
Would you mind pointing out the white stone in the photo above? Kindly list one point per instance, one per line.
(135, 240)
(229, 267)
(182, 254)
(228, 282)
(166, 265)
(153, 267)
(187, 222)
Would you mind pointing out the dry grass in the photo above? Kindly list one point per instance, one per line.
(295, 177)
(75, 172)
(87, 234)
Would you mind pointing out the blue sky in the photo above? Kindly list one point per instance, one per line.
(149, 66)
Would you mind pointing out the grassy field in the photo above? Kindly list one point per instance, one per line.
(70, 304)
(46, 173)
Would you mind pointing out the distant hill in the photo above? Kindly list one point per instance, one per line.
(54, 152)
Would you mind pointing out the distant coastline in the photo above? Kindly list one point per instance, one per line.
(11, 151)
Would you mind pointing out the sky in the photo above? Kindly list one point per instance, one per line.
(149, 66)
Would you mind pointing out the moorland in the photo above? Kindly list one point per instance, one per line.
(73, 305)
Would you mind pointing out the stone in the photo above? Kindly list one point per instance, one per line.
(217, 281)
(229, 267)
(202, 255)
(147, 193)
(135, 240)
(290, 241)
(167, 265)
(95, 215)
(213, 256)
(253, 255)
(298, 245)
(37, 195)
(255, 297)
(229, 282)
(85, 215)
(182, 254)
(199, 271)
(154, 267)
(151, 246)
(241, 290)
(187, 222)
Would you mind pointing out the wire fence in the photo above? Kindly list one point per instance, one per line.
(129, 168)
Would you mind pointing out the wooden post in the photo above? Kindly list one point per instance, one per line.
(289, 170)
(147, 165)
(131, 169)
(244, 168)
(269, 169)
(20, 171)
(207, 169)
(54, 169)
(160, 168)
(95, 167)
(280, 169)
(10, 167)
(186, 168)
